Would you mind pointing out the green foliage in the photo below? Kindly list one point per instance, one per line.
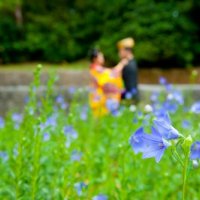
(166, 32)
(35, 167)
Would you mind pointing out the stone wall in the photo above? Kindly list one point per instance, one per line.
(79, 77)
(66, 77)
(14, 86)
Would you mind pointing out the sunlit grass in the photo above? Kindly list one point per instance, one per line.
(81, 64)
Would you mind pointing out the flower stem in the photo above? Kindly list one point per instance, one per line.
(178, 158)
(185, 167)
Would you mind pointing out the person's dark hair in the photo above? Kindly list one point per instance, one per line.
(93, 54)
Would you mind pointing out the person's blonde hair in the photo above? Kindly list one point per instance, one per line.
(127, 43)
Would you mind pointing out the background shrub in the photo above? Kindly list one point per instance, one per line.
(166, 32)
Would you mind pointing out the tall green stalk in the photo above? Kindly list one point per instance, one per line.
(186, 147)
(185, 167)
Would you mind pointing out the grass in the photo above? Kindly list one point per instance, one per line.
(82, 64)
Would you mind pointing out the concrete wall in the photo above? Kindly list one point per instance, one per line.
(14, 87)
(25, 77)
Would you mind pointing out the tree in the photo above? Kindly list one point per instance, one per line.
(166, 32)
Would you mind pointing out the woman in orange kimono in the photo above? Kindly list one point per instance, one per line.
(106, 85)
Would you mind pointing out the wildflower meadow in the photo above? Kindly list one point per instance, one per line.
(57, 150)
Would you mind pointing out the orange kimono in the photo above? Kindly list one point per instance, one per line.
(106, 86)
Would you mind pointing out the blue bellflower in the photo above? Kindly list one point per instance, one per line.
(154, 96)
(165, 128)
(112, 105)
(60, 99)
(151, 145)
(50, 122)
(195, 151)
(196, 108)
(163, 81)
(186, 124)
(100, 197)
(178, 96)
(80, 186)
(159, 112)
(170, 106)
(46, 137)
(84, 113)
(76, 155)
(4, 156)
(71, 134)
(2, 123)
(128, 95)
(17, 117)
(72, 90)
(156, 145)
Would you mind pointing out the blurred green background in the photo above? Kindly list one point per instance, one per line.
(166, 32)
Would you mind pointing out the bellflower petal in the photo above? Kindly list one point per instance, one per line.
(166, 129)
(151, 145)
(156, 145)
(137, 141)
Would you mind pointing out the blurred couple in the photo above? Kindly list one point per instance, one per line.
(111, 85)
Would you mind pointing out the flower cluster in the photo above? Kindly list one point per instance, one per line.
(71, 134)
(173, 99)
(61, 102)
(17, 118)
(155, 144)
